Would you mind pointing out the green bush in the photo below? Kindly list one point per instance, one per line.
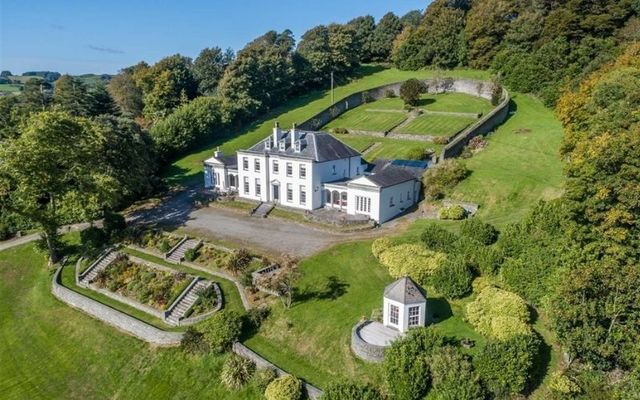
(222, 330)
(236, 372)
(340, 131)
(453, 279)
(437, 238)
(164, 245)
(410, 91)
(443, 176)
(191, 254)
(412, 260)
(506, 366)
(453, 377)
(488, 259)
(454, 212)
(499, 314)
(380, 245)
(479, 231)
(263, 377)
(239, 261)
(92, 240)
(350, 391)
(286, 387)
(416, 153)
(193, 342)
(114, 225)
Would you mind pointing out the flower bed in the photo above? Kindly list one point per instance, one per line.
(142, 283)
(207, 301)
(211, 256)
(153, 239)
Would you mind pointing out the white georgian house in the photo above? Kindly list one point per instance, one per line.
(309, 170)
(404, 305)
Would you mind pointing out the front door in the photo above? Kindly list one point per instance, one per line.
(276, 193)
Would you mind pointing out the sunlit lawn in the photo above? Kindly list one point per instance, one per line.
(436, 125)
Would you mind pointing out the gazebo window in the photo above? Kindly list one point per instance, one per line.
(414, 316)
(393, 314)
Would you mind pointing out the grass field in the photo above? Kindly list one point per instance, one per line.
(188, 169)
(436, 125)
(9, 87)
(457, 102)
(50, 351)
(378, 121)
(339, 287)
(388, 148)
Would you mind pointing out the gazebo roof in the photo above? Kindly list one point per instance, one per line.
(405, 291)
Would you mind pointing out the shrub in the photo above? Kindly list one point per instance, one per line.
(389, 94)
(453, 279)
(406, 363)
(410, 91)
(193, 342)
(477, 143)
(263, 377)
(236, 372)
(437, 238)
(453, 376)
(499, 314)
(239, 261)
(257, 315)
(562, 386)
(505, 366)
(350, 391)
(164, 245)
(92, 241)
(443, 176)
(411, 260)
(114, 225)
(340, 131)
(222, 330)
(454, 212)
(191, 254)
(416, 153)
(380, 245)
(488, 259)
(479, 231)
(286, 387)
(440, 140)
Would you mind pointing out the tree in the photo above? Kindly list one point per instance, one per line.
(406, 363)
(505, 367)
(36, 95)
(410, 91)
(70, 94)
(411, 19)
(479, 231)
(209, 67)
(453, 376)
(100, 102)
(486, 24)
(443, 176)
(363, 28)
(126, 94)
(236, 372)
(386, 31)
(222, 330)
(437, 238)
(453, 278)
(239, 261)
(286, 387)
(283, 280)
(50, 174)
(329, 49)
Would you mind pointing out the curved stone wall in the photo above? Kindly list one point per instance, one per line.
(113, 317)
(362, 349)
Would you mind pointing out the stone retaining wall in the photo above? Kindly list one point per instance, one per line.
(409, 136)
(360, 132)
(245, 352)
(362, 349)
(202, 317)
(115, 318)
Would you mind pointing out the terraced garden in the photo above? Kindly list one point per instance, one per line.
(436, 125)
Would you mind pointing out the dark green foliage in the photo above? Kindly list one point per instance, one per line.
(222, 329)
(410, 91)
(126, 94)
(411, 19)
(239, 261)
(453, 376)
(190, 254)
(350, 391)
(93, 240)
(209, 67)
(363, 28)
(100, 102)
(437, 238)
(386, 31)
(114, 225)
(406, 363)
(329, 49)
(70, 95)
(505, 367)
(193, 342)
(263, 377)
(488, 259)
(453, 278)
(443, 176)
(481, 232)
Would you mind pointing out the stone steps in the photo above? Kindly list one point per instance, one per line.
(186, 302)
(262, 210)
(90, 275)
(178, 254)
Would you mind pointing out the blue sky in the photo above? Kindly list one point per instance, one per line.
(103, 36)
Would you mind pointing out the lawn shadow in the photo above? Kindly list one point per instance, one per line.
(332, 289)
(425, 102)
(438, 310)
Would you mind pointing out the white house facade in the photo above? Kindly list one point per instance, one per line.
(404, 305)
(309, 170)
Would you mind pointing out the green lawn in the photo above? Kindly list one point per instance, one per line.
(520, 166)
(361, 119)
(436, 125)
(188, 169)
(339, 287)
(387, 148)
(50, 351)
(9, 87)
(451, 102)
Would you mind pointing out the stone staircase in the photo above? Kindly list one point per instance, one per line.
(101, 263)
(186, 302)
(262, 210)
(176, 255)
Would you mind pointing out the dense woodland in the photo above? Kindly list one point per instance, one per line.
(71, 152)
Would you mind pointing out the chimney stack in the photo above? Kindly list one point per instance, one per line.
(294, 135)
(217, 153)
(277, 133)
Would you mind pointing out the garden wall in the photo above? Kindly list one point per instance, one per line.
(113, 317)
(362, 349)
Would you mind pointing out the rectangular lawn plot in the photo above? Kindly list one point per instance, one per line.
(437, 125)
(387, 147)
(455, 102)
(361, 119)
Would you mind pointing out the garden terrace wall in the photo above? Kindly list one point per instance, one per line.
(362, 349)
(202, 317)
(115, 318)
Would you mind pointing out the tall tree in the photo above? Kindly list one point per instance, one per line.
(386, 31)
(363, 32)
(36, 94)
(70, 94)
(126, 94)
(100, 102)
(411, 19)
(209, 67)
(49, 174)
(487, 23)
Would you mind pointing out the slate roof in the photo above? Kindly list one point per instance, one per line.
(230, 161)
(316, 146)
(405, 291)
(390, 176)
(415, 167)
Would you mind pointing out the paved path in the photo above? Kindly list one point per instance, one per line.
(7, 244)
